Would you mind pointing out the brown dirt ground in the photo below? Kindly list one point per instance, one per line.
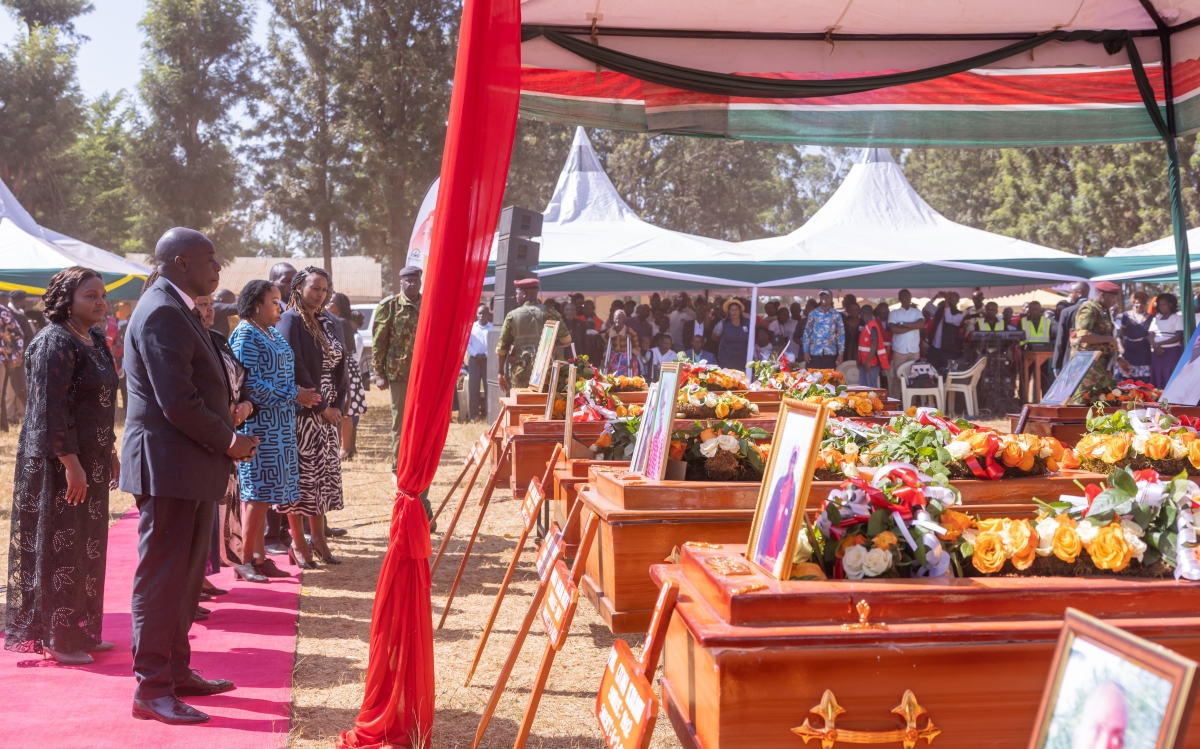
(335, 612)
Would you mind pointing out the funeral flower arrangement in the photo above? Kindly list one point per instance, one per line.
(1139, 438)
(838, 399)
(885, 527)
(713, 378)
(1126, 393)
(774, 374)
(1138, 524)
(594, 401)
(621, 383)
(698, 402)
(723, 450)
(617, 440)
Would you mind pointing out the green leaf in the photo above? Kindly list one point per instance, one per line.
(876, 524)
(1107, 501)
(1151, 556)
(966, 548)
(943, 455)
(920, 552)
(1123, 481)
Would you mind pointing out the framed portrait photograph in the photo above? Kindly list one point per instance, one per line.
(1109, 689)
(545, 354)
(1068, 380)
(659, 438)
(787, 479)
(641, 442)
(552, 394)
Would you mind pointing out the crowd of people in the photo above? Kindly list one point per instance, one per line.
(637, 337)
(227, 432)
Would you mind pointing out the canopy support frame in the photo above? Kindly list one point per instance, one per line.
(1175, 186)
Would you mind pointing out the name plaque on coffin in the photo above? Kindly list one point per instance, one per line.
(749, 660)
(642, 522)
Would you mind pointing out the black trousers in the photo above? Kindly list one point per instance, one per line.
(173, 541)
(822, 361)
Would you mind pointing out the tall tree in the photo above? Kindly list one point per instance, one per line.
(305, 156)
(41, 112)
(103, 207)
(198, 69)
(397, 68)
(59, 14)
(539, 151)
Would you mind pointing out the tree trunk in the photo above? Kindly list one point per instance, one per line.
(327, 247)
(397, 216)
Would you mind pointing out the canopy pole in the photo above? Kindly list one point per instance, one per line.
(1178, 217)
(753, 329)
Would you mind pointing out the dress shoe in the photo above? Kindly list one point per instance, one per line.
(335, 532)
(249, 573)
(267, 567)
(168, 710)
(276, 550)
(197, 686)
(326, 558)
(202, 610)
(99, 647)
(205, 597)
(78, 658)
(201, 615)
(212, 590)
(297, 560)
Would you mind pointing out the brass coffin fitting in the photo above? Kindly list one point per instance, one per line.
(728, 566)
(829, 734)
(864, 614)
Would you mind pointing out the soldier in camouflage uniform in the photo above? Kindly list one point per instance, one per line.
(521, 333)
(1094, 332)
(393, 333)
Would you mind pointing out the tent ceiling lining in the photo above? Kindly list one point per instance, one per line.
(528, 31)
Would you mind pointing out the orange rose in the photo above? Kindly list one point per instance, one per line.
(677, 449)
(829, 457)
(1116, 447)
(808, 570)
(955, 523)
(863, 407)
(1158, 446)
(1070, 460)
(911, 412)
(1091, 445)
(764, 450)
(1066, 544)
(989, 553)
(1186, 437)
(707, 435)
(604, 440)
(1055, 447)
(876, 403)
(1109, 550)
(1022, 540)
(994, 525)
(1027, 461)
(722, 410)
(635, 410)
(855, 540)
(885, 540)
(977, 440)
(1013, 454)
(1024, 559)
(621, 411)
(1194, 453)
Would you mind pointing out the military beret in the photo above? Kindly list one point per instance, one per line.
(526, 283)
(409, 271)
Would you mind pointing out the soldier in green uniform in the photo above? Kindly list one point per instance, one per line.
(521, 333)
(393, 333)
(1094, 332)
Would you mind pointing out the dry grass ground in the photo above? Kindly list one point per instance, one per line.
(335, 612)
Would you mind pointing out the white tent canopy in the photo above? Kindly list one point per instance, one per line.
(1164, 248)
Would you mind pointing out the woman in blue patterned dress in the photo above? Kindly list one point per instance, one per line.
(271, 477)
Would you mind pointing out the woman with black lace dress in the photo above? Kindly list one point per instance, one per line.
(66, 462)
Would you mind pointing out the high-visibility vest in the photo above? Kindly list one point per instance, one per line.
(983, 326)
(1040, 334)
(864, 346)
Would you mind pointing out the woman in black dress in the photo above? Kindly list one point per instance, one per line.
(66, 463)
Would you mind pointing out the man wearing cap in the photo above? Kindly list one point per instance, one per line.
(393, 333)
(520, 334)
(824, 335)
(1093, 331)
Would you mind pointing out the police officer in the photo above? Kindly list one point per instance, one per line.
(393, 333)
(521, 333)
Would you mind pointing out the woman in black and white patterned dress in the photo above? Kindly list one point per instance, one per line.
(356, 402)
(321, 364)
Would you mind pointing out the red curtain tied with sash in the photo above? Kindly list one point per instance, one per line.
(397, 709)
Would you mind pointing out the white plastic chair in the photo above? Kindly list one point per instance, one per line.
(965, 382)
(908, 393)
(849, 370)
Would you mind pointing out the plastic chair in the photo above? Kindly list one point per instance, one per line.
(849, 370)
(908, 393)
(463, 400)
(964, 382)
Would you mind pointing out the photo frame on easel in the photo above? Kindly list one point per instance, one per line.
(641, 441)
(1069, 378)
(783, 494)
(571, 448)
(1108, 687)
(659, 437)
(552, 393)
(545, 354)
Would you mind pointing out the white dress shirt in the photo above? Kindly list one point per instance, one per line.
(191, 303)
(477, 344)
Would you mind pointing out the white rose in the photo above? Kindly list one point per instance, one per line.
(710, 400)
(877, 562)
(852, 562)
(850, 471)
(1131, 527)
(1045, 530)
(958, 449)
(1008, 547)
(1087, 532)
(970, 534)
(803, 550)
(708, 448)
(1178, 449)
(1045, 452)
(728, 443)
(1136, 544)
(1139, 443)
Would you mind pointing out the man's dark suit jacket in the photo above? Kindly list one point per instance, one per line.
(1062, 342)
(178, 424)
(309, 360)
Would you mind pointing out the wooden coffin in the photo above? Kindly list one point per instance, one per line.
(767, 397)
(569, 477)
(1068, 424)
(641, 522)
(747, 659)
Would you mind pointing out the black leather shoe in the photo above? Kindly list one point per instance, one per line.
(201, 615)
(202, 610)
(168, 710)
(267, 568)
(205, 597)
(335, 532)
(198, 686)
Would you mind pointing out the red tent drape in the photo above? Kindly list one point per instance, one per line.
(397, 708)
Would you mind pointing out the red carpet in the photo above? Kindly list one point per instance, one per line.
(250, 639)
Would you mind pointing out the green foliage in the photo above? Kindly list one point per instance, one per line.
(59, 14)
(103, 207)
(198, 69)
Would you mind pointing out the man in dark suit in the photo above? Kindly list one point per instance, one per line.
(179, 448)
(1066, 323)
